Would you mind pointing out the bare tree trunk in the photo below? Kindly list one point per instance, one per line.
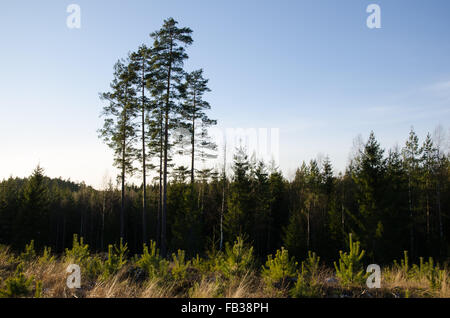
(411, 230)
(308, 227)
(144, 183)
(428, 219)
(158, 217)
(166, 146)
(103, 221)
(193, 143)
(223, 195)
(122, 203)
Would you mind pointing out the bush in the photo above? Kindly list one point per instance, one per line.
(237, 259)
(29, 254)
(430, 272)
(79, 252)
(180, 265)
(350, 270)
(152, 263)
(425, 270)
(116, 259)
(20, 286)
(307, 284)
(203, 265)
(46, 257)
(93, 267)
(279, 271)
(404, 265)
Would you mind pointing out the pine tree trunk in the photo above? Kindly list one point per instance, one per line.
(103, 222)
(411, 230)
(144, 183)
(193, 143)
(428, 219)
(166, 146)
(441, 230)
(122, 203)
(158, 217)
(223, 195)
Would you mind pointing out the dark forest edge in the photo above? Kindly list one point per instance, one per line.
(390, 204)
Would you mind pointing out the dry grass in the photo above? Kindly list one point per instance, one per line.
(395, 283)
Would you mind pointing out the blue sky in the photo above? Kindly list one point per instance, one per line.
(310, 68)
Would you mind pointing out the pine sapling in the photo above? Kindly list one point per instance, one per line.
(350, 270)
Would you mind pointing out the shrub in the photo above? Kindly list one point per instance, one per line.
(429, 271)
(280, 270)
(46, 257)
(29, 254)
(180, 265)
(237, 259)
(350, 270)
(307, 284)
(20, 286)
(203, 265)
(404, 265)
(151, 262)
(116, 259)
(79, 252)
(93, 267)
(312, 264)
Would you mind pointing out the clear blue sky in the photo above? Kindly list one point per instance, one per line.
(310, 68)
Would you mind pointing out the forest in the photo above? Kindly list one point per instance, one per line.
(388, 200)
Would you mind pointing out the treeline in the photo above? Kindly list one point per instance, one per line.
(391, 202)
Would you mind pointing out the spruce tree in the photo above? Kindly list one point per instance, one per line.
(428, 165)
(411, 156)
(236, 218)
(32, 221)
(369, 177)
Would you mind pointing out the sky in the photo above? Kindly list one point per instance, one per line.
(310, 70)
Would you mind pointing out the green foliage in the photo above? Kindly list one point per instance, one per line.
(93, 267)
(152, 263)
(20, 286)
(46, 256)
(424, 270)
(350, 270)
(116, 259)
(279, 269)
(404, 264)
(307, 284)
(79, 252)
(429, 271)
(29, 254)
(237, 259)
(38, 290)
(180, 265)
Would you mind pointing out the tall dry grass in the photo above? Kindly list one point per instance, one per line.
(52, 273)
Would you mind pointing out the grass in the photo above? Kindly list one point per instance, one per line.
(205, 278)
